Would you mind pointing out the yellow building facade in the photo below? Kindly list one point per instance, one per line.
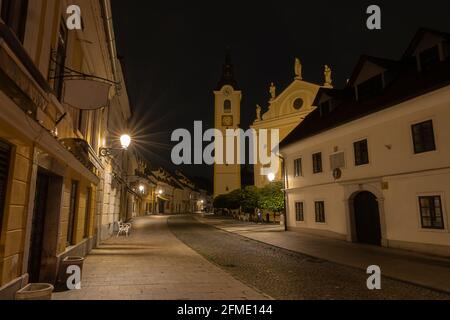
(53, 180)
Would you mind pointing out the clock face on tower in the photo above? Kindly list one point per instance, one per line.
(227, 121)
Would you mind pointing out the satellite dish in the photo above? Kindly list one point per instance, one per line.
(337, 174)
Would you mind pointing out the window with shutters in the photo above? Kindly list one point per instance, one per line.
(5, 157)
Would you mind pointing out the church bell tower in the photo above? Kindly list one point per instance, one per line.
(227, 111)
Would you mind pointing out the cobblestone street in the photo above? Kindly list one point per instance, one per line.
(285, 274)
(152, 264)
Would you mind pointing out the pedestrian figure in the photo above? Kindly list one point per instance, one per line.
(259, 216)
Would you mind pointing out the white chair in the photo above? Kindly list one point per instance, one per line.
(124, 228)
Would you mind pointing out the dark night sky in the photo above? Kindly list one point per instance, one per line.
(173, 52)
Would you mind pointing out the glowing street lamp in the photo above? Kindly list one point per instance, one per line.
(271, 177)
(160, 192)
(125, 141)
(141, 188)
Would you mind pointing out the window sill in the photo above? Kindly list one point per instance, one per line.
(428, 230)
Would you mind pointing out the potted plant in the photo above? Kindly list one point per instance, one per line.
(35, 291)
(63, 275)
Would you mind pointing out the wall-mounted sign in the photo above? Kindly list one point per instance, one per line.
(337, 174)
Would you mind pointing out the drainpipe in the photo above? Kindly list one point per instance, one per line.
(285, 186)
(110, 37)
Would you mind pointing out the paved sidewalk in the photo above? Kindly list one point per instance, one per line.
(419, 269)
(152, 264)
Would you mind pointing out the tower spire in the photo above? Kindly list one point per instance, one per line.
(227, 77)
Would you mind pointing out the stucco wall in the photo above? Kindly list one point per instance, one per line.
(400, 175)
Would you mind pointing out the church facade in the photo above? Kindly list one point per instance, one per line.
(285, 112)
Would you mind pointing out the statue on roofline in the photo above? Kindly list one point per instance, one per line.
(298, 69)
(258, 112)
(328, 77)
(273, 91)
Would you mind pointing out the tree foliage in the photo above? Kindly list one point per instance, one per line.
(270, 197)
(250, 199)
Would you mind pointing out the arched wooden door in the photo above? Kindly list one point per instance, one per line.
(367, 218)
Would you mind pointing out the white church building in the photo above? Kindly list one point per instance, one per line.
(371, 164)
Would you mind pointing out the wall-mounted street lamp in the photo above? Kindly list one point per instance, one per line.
(141, 188)
(271, 177)
(160, 192)
(125, 142)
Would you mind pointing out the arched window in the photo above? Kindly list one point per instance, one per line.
(227, 106)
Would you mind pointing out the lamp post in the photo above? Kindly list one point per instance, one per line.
(125, 142)
(271, 177)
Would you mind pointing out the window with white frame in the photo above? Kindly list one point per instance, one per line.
(423, 137)
(298, 170)
(361, 149)
(431, 213)
(317, 163)
(299, 211)
(320, 211)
